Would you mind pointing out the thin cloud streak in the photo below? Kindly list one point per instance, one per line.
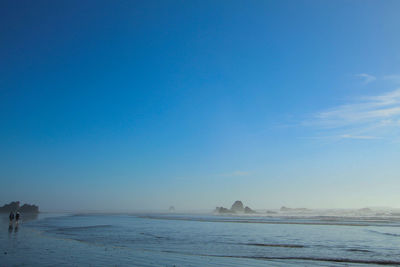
(361, 137)
(370, 117)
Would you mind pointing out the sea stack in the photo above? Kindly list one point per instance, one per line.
(237, 208)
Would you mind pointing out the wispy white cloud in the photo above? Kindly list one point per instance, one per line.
(361, 137)
(366, 77)
(368, 117)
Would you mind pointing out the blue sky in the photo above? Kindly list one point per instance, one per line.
(128, 105)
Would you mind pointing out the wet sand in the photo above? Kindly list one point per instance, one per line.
(128, 240)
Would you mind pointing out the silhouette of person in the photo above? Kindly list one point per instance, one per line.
(17, 216)
(11, 217)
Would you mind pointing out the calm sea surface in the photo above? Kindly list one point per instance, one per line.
(199, 240)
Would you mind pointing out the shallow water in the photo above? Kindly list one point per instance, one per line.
(200, 240)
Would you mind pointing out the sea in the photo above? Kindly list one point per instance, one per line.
(164, 239)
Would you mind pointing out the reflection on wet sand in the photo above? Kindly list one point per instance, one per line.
(4, 220)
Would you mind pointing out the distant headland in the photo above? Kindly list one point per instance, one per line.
(15, 206)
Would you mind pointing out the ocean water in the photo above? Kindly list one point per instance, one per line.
(200, 240)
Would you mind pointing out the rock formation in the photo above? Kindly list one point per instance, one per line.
(14, 206)
(27, 208)
(248, 210)
(222, 210)
(237, 208)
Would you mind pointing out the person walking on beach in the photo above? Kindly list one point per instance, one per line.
(11, 217)
(17, 215)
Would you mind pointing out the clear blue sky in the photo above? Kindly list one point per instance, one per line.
(127, 105)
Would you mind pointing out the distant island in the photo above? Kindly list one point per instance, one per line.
(237, 207)
(15, 206)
